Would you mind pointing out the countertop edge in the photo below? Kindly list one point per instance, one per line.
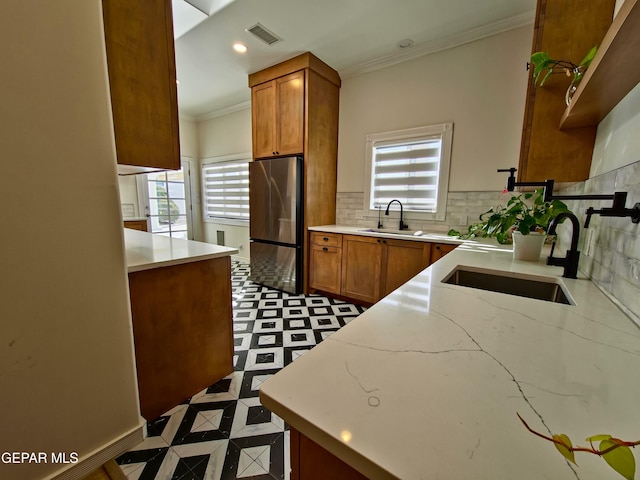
(146, 251)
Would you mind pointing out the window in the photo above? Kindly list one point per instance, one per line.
(167, 203)
(225, 183)
(411, 166)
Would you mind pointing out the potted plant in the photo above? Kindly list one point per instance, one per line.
(543, 66)
(524, 221)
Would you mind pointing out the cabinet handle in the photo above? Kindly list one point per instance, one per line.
(384, 241)
(325, 239)
(437, 247)
(378, 240)
(325, 249)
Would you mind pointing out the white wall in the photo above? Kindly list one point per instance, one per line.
(617, 140)
(220, 136)
(480, 87)
(67, 372)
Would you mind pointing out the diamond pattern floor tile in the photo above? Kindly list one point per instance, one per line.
(223, 432)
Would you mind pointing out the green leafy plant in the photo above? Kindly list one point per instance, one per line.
(617, 453)
(525, 213)
(543, 66)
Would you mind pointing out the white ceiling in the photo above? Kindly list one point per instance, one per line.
(352, 36)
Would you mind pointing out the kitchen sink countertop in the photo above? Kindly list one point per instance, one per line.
(147, 250)
(388, 233)
(426, 384)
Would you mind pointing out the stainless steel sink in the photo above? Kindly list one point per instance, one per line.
(392, 231)
(541, 288)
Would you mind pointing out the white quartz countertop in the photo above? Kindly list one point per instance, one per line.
(426, 384)
(145, 250)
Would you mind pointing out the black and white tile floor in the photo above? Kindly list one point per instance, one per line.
(223, 432)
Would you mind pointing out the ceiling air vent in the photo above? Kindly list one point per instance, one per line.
(263, 34)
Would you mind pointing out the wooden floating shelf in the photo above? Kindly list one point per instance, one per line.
(614, 72)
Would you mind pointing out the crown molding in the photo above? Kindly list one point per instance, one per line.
(441, 44)
(224, 111)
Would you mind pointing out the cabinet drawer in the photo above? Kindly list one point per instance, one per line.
(326, 239)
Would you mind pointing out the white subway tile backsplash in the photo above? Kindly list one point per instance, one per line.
(612, 261)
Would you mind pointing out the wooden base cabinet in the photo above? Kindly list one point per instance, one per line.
(439, 250)
(310, 461)
(361, 267)
(401, 261)
(182, 329)
(365, 269)
(325, 262)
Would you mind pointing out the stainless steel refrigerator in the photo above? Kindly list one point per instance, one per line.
(276, 223)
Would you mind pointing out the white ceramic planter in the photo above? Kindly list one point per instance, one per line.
(528, 247)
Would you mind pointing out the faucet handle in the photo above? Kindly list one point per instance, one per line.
(590, 211)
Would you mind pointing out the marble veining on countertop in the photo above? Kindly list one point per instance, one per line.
(145, 250)
(426, 384)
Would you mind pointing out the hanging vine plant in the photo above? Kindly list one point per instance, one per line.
(544, 65)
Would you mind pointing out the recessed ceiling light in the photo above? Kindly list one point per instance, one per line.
(239, 47)
(406, 43)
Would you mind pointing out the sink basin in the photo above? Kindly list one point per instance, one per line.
(531, 286)
(392, 231)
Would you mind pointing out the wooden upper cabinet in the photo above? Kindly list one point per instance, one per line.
(263, 112)
(565, 29)
(142, 78)
(278, 116)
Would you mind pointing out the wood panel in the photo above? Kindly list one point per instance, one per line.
(613, 73)
(182, 325)
(546, 151)
(361, 267)
(326, 239)
(304, 61)
(325, 268)
(401, 261)
(136, 225)
(439, 250)
(310, 461)
(142, 78)
(290, 114)
(263, 113)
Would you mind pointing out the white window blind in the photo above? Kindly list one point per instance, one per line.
(408, 171)
(226, 190)
(411, 166)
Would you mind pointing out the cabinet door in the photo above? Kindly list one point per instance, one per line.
(325, 268)
(290, 114)
(263, 112)
(361, 267)
(439, 250)
(142, 79)
(402, 260)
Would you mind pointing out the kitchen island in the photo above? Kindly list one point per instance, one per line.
(180, 294)
(427, 383)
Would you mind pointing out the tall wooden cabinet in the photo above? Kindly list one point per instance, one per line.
(565, 29)
(142, 78)
(295, 111)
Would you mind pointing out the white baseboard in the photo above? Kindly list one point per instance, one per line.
(94, 460)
